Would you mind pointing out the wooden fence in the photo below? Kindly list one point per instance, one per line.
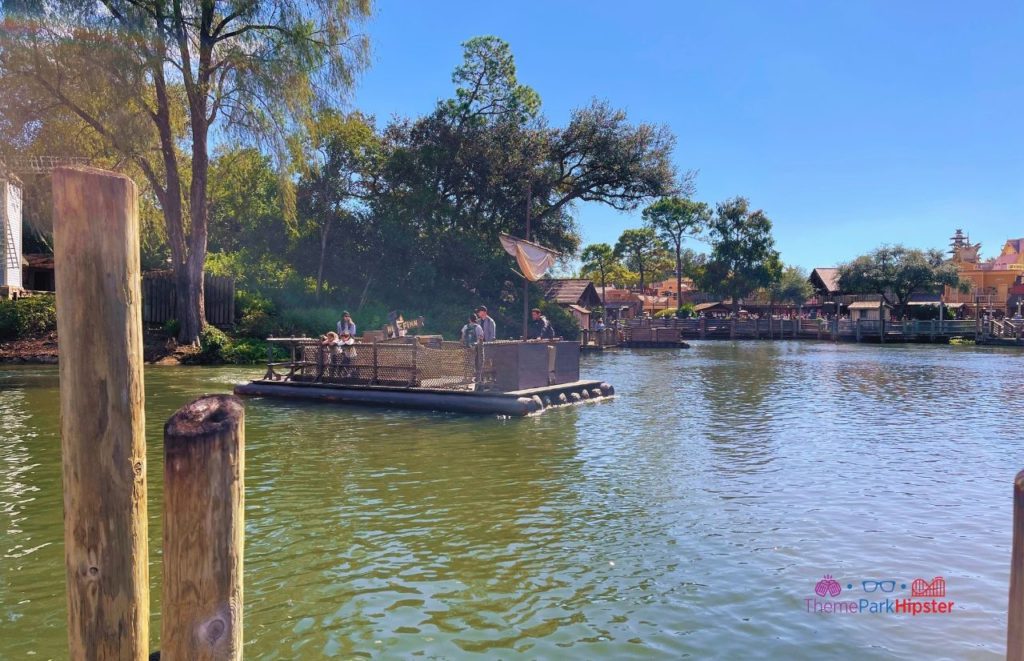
(160, 302)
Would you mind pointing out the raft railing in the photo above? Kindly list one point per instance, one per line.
(431, 364)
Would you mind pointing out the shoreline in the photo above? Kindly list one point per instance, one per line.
(156, 350)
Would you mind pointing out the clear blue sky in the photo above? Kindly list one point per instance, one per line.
(850, 123)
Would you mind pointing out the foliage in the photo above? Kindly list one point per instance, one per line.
(599, 259)
(617, 275)
(743, 256)
(896, 272)
(452, 181)
(791, 287)
(642, 251)
(28, 317)
(250, 351)
(172, 327)
(674, 219)
(149, 82)
(684, 311)
(486, 85)
(342, 155)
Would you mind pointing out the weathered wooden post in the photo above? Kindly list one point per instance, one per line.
(99, 318)
(1015, 619)
(857, 324)
(204, 531)
(732, 328)
(703, 326)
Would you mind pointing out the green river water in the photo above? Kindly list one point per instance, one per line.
(693, 515)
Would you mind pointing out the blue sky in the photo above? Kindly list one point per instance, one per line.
(851, 124)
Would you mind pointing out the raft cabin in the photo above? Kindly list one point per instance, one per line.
(512, 378)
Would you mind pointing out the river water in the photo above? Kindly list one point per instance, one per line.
(693, 515)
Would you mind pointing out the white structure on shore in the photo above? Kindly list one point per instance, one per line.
(10, 232)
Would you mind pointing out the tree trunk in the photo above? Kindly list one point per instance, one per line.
(190, 303)
(323, 254)
(642, 290)
(679, 275)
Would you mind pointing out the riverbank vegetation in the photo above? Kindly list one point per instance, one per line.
(340, 212)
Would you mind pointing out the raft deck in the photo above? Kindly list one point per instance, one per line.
(501, 378)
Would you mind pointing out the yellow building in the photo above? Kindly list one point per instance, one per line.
(992, 279)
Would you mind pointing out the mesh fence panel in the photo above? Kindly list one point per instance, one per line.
(440, 365)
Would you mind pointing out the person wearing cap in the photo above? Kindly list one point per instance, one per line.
(346, 324)
(486, 323)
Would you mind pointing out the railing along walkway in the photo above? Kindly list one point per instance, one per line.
(857, 330)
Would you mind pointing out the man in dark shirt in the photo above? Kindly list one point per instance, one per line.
(540, 327)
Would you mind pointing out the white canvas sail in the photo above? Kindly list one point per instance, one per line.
(534, 260)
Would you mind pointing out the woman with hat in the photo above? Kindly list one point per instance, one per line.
(346, 324)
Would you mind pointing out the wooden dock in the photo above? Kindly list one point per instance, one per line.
(991, 332)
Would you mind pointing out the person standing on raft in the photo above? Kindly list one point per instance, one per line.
(487, 324)
(540, 327)
(472, 333)
(346, 325)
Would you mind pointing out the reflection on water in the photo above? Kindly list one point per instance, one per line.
(691, 516)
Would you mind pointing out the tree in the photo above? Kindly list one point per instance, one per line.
(341, 155)
(599, 258)
(153, 80)
(791, 287)
(617, 274)
(675, 218)
(743, 256)
(896, 272)
(453, 180)
(642, 251)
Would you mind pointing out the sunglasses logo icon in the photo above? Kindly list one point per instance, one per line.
(884, 586)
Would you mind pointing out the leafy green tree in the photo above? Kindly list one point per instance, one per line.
(617, 274)
(486, 85)
(599, 258)
(453, 180)
(896, 272)
(642, 251)
(791, 287)
(342, 154)
(743, 256)
(674, 219)
(160, 83)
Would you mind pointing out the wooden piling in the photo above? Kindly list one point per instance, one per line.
(99, 321)
(204, 469)
(1015, 619)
